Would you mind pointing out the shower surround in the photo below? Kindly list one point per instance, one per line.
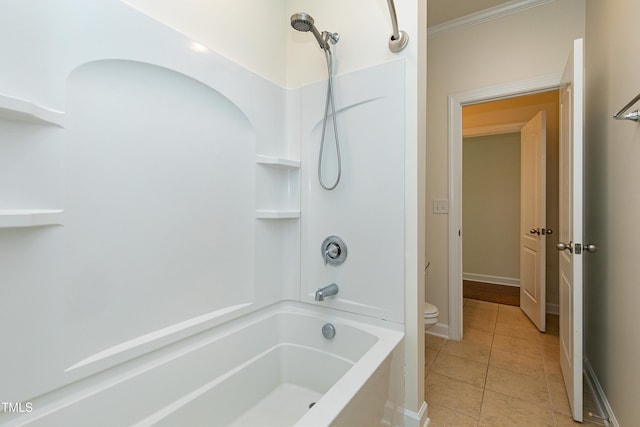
(165, 196)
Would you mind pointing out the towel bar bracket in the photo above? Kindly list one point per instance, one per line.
(634, 116)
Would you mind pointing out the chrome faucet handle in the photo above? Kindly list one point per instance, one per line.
(332, 252)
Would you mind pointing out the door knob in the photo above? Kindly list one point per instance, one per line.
(591, 248)
(534, 231)
(562, 246)
(547, 231)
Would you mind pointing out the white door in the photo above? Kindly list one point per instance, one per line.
(570, 236)
(533, 181)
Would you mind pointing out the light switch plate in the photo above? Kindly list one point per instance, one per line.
(440, 206)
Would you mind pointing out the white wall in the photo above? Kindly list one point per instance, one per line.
(525, 45)
(612, 178)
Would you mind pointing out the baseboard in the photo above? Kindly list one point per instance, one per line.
(419, 419)
(496, 280)
(440, 330)
(553, 308)
(601, 398)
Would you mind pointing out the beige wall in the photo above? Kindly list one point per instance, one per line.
(519, 110)
(251, 33)
(516, 47)
(364, 27)
(612, 196)
(491, 205)
(258, 35)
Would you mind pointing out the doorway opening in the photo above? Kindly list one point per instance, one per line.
(496, 111)
(510, 199)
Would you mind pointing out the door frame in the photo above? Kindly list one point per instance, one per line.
(456, 102)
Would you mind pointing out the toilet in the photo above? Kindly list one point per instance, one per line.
(430, 316)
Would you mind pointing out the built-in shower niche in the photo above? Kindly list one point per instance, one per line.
(30, 161)
(277, 228)
(277, 188)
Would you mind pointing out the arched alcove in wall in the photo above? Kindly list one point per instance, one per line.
(159, 203)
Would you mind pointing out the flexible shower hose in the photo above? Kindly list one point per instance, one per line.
(327, 54)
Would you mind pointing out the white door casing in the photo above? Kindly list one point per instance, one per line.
(533, 208)
(570, 233)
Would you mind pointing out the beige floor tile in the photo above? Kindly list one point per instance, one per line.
(526, 387)
(552, 366)
(480, 311)
(430, 356)
(563, 420)
(499, 410)
(468, 350)
(551, 352)
(471, 372)
(527, 364)
(477, 336)
(521, 325)
(452, 394)
(445, 417)
(514, 317)
(558, 393)
(482, 322)
(474, 303)
(433, 341)
(522, 383)
(510, 309)
(550, 340)
(518, 331)
(516, 344)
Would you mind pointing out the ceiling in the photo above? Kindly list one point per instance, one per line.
(439, 11)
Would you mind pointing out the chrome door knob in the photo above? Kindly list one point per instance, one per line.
(534, 231)
(591, 248)
(562, 246)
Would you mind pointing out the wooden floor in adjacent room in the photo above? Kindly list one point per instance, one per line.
(501, 294)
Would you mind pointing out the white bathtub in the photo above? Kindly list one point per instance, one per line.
(261, 370)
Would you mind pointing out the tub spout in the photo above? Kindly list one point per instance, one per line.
(327, 291)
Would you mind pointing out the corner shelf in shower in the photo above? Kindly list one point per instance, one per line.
(277, 214)
(277, 162)
(19, 109)
(16, 218)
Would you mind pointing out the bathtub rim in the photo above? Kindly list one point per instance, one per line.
(389, 334)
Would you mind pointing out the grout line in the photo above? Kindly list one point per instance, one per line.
(546, 380)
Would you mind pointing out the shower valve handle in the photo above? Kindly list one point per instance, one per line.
(333, 251)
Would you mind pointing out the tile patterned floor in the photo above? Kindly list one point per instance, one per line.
(504, 372)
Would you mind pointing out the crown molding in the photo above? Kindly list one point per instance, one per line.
(482, 16)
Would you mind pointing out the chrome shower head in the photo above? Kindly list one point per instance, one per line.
(304, 22)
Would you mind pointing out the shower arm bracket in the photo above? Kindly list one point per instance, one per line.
(399, 39)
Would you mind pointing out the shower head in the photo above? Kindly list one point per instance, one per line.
(304, 22)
